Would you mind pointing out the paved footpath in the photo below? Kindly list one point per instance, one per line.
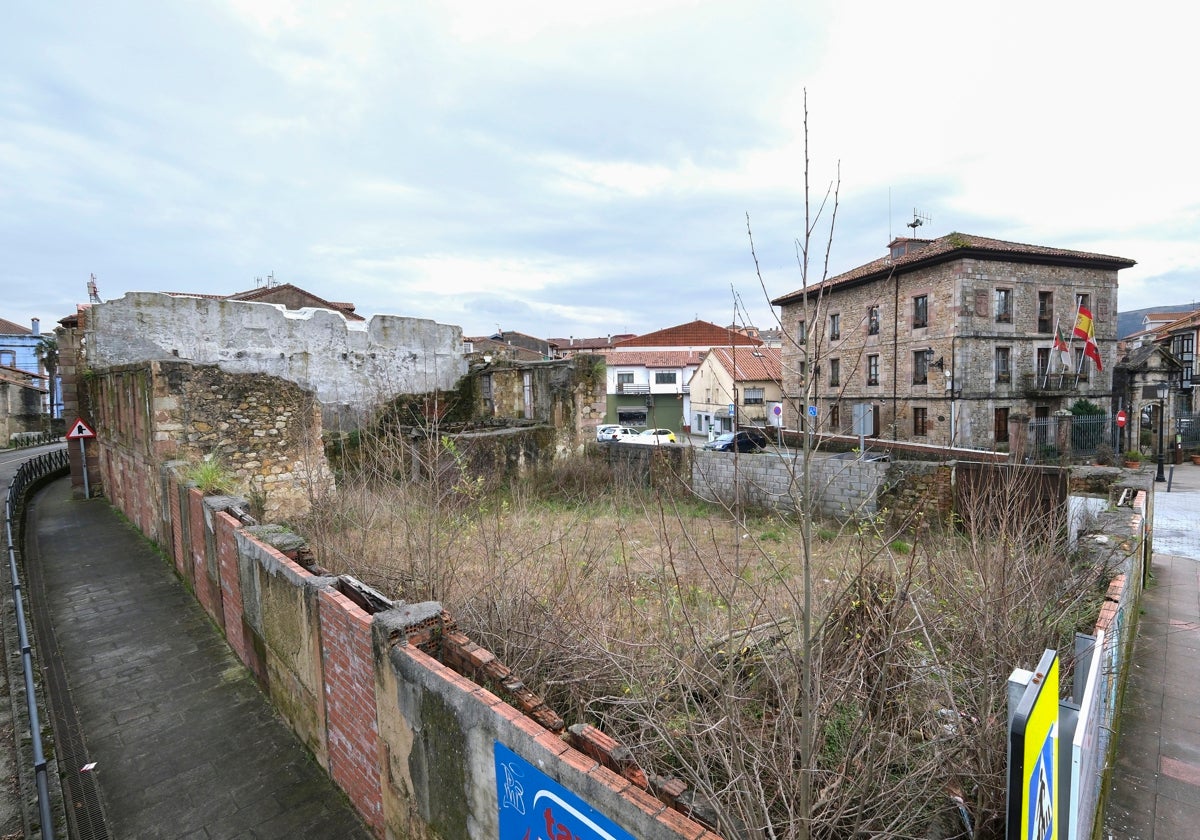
(1155, 793)
(186, 746)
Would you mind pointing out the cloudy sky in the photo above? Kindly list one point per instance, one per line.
(564, 168)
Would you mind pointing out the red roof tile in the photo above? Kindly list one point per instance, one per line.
(8, 327)
(654, 358)
(695, 334)
(761, 364)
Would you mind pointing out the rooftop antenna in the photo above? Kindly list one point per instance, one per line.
(271, 280)
(93, 292)
(918, 220)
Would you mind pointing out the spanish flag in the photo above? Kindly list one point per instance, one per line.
(1085, 328)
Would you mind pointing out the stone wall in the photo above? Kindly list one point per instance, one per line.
(264, 431)
(350, 366)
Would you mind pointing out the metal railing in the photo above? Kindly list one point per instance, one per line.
(30, 472)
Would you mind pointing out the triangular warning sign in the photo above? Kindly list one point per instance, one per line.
(79, 429)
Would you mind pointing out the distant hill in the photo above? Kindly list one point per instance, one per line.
(1130, 322)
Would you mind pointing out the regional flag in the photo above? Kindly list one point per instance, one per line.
(1060, 344)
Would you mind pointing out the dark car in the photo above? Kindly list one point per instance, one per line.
(747, 440)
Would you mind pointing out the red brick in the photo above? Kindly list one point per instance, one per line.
(681, 825)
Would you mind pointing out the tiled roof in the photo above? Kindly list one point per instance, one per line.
(9, 328)
(655, 358)
(757, 365)
(261, 292)
(695, 334)
(958, 246)
(577, 344)
(1187, 319)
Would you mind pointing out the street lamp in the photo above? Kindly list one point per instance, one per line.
(1163, 390)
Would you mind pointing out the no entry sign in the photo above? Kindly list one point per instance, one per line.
(1121, 419)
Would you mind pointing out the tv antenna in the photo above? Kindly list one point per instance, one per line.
(93, 292)
(918, 220)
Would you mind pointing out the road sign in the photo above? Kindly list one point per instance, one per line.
(1121, 418)
(732, 409)
(812, 411)
(80, 430)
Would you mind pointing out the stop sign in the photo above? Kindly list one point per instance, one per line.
(1121, 419)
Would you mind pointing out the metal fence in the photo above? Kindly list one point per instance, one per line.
(28, 474)
(1082, 437)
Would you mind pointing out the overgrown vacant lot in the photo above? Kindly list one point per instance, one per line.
(679, 628)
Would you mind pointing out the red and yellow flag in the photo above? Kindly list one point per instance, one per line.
(1085, 328)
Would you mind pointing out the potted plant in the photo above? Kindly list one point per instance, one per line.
(1196, 458)
(1133, 459)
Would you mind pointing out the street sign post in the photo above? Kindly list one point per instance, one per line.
(1121, 419)
(81, 431)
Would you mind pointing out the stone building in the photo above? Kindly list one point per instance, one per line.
(946, 340)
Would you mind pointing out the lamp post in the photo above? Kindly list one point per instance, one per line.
(1163, 390)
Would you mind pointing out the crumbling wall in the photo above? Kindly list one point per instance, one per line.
(350, 366)
(265, 432)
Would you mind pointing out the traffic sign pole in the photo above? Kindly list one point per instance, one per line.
(87, 492)
(81, 431)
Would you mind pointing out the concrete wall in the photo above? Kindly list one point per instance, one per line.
(841, 487)
(410, 740)
(348, 365)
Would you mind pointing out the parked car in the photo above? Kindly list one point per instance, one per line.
(605, 430)
(747, 440)
(656, 436)
(615, 433)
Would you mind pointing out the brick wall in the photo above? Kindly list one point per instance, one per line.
(408, 739)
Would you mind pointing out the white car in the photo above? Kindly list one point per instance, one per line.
(609, 433)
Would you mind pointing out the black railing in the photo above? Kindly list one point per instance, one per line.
(32, 471)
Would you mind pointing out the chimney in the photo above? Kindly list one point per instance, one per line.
(37, 326)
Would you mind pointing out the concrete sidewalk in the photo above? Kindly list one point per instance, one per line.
(185, 744)
(1155, 788)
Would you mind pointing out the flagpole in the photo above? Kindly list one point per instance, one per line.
(1053, 349)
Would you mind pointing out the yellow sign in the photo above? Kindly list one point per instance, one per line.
(1033, 751)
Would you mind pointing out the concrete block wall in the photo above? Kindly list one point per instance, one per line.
(412, 742)
(842, 488)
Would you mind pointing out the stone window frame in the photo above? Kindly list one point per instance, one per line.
(920, 367)
(872, 369)
(835, 418)
(835, 372)
(920, 311)
(835, 326)
(1003, 304)
(873, 320)
(1003, 357)
(801, 332)
(1045, 311)
(920, 421)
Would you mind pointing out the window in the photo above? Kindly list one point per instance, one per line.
(803, 372)
(625, 378)
(1003, 366)
(527, 394)
(801, 333)
(835, 327)
(1045, 312)
(920, 367)
(665, 377)
(1043, 362)
(752, 396)
(1000, 425)
(920, 311)
(920, 422)
(835, 372)
(1080, 364)
(1004, 314)
(1183, 346)
(873, 370)
(485, 392)
(835, 418)
(873, 320)
(8, 358)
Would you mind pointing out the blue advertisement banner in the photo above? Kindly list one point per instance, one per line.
(535, 807)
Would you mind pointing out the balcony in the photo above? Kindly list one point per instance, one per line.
(1054, 385)
(631, 388)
